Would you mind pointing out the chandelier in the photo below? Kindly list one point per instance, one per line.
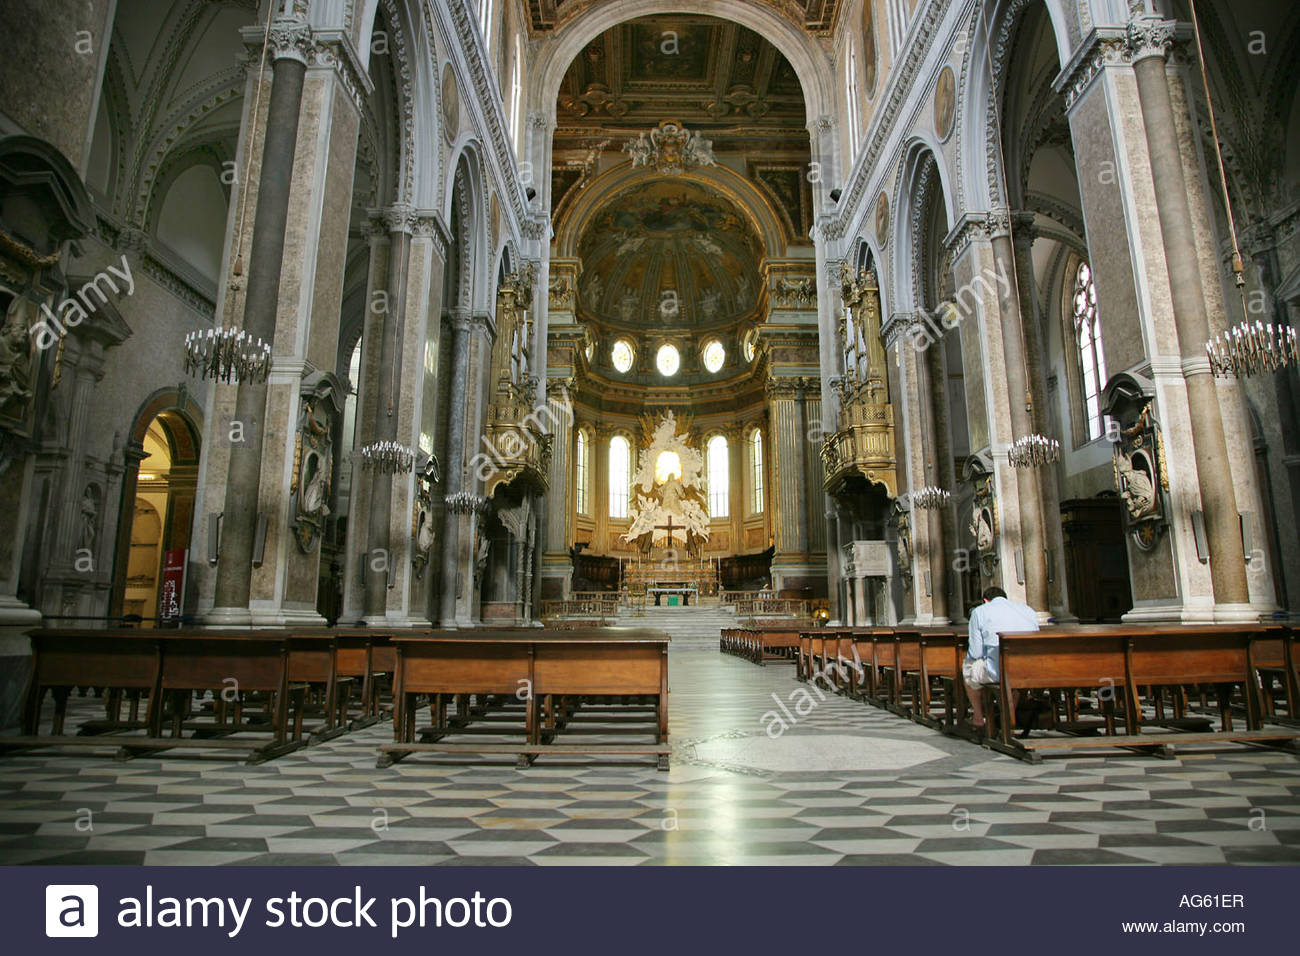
(227, 354)
(387, 457)
(465, 502)
(1033, 451)
(930, 497)
(1247, 349)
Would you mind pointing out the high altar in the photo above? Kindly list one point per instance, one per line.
(669, 515)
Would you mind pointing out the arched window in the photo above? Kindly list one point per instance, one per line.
(719, 472)
(581, 468)
(756, 471)
(897, 25)
(620, 473)
(1092, 360)
(516, 95)
(851, 99)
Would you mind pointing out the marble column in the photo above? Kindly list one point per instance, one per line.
(787, 470)
(1149, 42)
(556, 568)
(1050, 498)
(933, 449)
(1032, 545)
(266, 259)
(379, 558)
(454, 470)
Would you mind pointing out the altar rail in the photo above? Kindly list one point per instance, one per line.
(603, 605)
(773, 607)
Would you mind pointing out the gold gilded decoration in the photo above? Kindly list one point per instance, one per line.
(863, 441)
(670, 149)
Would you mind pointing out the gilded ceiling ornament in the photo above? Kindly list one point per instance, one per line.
(671, 149)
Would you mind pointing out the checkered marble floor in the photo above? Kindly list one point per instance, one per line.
(845, 784)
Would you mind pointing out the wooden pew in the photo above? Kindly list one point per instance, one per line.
(1275, 652)
(942, 650)
(1128, 657)
(172, 665)
(66, 659)
(550, 672)
(313, 660)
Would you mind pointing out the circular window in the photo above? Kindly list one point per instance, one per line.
(668, 361)
(622, 354)
(714, 356)
(750, 348)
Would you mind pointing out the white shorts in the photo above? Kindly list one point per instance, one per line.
(976, 672)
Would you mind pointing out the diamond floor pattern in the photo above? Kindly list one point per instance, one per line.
(733, 796)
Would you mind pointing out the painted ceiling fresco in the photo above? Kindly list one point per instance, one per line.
(669, 254)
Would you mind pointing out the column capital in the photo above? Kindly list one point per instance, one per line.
(997, 223)
(786, 388)
(1147, 36)
(399, 217)
(460, 319)
(289, 38)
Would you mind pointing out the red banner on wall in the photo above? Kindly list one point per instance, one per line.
(171, 594)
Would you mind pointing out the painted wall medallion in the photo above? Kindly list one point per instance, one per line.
(450, 103)
(945, 103)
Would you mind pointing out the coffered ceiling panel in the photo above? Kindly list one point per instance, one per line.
(814, 15)
(716, 77)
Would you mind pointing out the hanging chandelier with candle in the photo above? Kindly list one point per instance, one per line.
(465, 502)
(1253, 349)
(1033, 451)
(930, 497)
(387, 457)
(227, 355)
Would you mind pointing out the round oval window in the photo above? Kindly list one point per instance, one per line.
(714, 356)
(667, 360)
(622, 355)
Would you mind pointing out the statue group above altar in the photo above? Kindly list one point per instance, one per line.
(669, 510)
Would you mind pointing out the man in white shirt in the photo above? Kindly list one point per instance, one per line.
(980, 668)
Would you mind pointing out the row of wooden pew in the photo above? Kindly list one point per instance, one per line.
(271, 691)
(1091, 686)
(761, 644)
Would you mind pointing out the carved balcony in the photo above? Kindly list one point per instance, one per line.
(862, 446)
(517, 441)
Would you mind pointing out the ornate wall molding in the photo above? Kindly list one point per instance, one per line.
(1103, 47)
(896, 98)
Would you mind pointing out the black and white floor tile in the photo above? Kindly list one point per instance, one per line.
(845, 784)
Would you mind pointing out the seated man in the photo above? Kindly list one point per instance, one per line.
(980, 668)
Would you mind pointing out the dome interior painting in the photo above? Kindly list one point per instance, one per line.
(669, 254)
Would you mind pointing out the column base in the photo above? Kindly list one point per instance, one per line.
(227, 617)
(395, 621)
(16, 619)
(1236, 613)
(1169, 612)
